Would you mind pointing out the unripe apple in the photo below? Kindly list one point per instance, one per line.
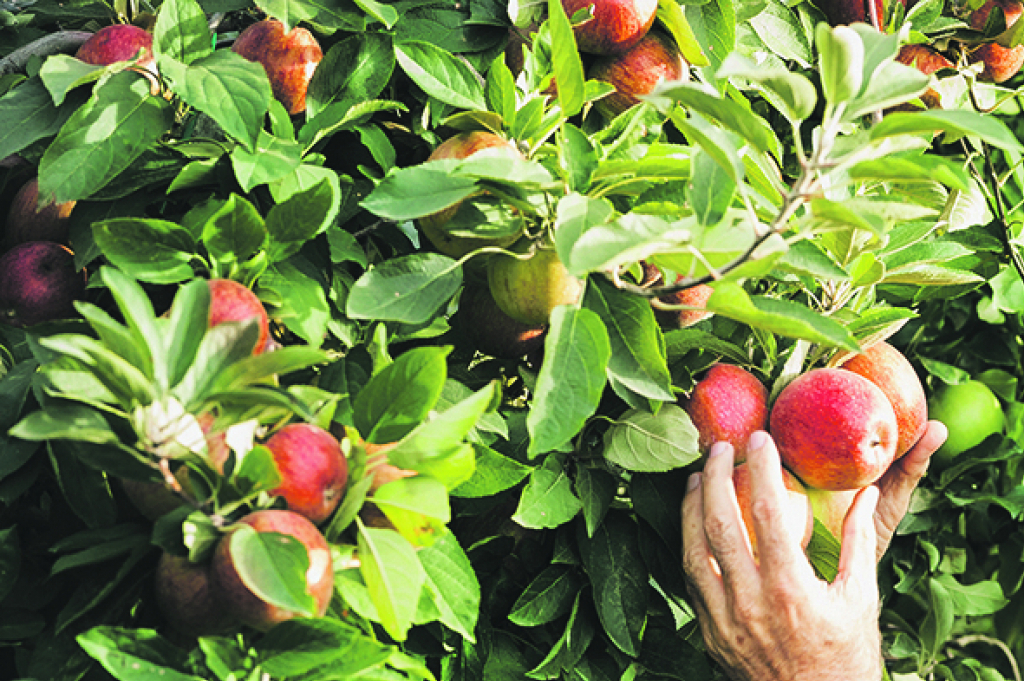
(187, 600)
(927, 60)
(27, 221)
(616, 26)
(39, 283)
(493, 332)
(290, 59)
(313, 470)
(239, 598)
(1001, 63)
(886, 367)
(835, 429)
(119, 42)
(796, 513)
(636, 72)
(971, 412)
(729, 404)
(830, 508)
(233, 302)
(461, 146)
(528, 290)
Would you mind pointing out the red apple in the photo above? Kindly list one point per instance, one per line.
(830, 508)
(120, 42)
(843, 12)
(312, 467)
(187, 599)
(797, 512)
(1001, 63)
(886, 367)
(636, 72)
(289, 59)
(233, 302)
(729, 404)
(528, 290)
(28, 221)
(39, 283)
(927, 60)
(694, 297)
(493, 332)
(616, 26)
(239, 598)
(835, 429)
(461, 146)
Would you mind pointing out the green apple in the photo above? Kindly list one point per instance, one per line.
(528, 290)
(970, 411)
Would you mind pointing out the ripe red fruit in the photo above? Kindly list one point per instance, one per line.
(636, 72)
(616, 26)
(797, 511)
(313, 470)
(290, 59)
(835, 429)
(1001, 63)
(120, 42)
(886, 367)
(38, 283)
(927, 60)
(493, 332)
(187, 599)
(26, 221)
(239, 598)
(695, 297)
(461, 146)
(729, 404)
(233, 302)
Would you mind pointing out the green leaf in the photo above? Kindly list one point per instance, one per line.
(939, 618)
(792, 93)
(31, 116)
(918, 169)
(548, 499)
(256, 368)
(596, 489)
(234, 232)
(565, 60)
(221, 347)
(407, 289)
(417, 507)
(10, 560)
(644, 442)
(549, 596)
(842, 62)
(299, 287)
(571, 380)
(401, 395)
(63, 73)
(671, 16)
(441, 75)
(493, 473)
(137, 310)
(973, 600)
(892, 84)
(188, 319)
(714, 24)
(154, 251)
(135, 654)
(122, 379)
(732, 115)
(453, 584)
(500, 90)
(273, 567)
(354, 70)
(181, 32)
(576, 214)
(956, 122)
(299, 647)
(409, 193)
(394, 576)
(103, 137)
(273, 159)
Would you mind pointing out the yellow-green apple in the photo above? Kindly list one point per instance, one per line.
(830, 508)
(231, 301)
(313, 469)
(835, 429)
(797, 512)
(728, 404)
(1000, 63)
(187, 600)
(290, 59)
(119, 42)
(528, 290)
(39, 283)
(491, 331)
(238, 596)
(460, 146)
(636, 71)
(927, 60)
(616, 25)
(27, 220)
(889, 369)
(971, 412)
(695, 297)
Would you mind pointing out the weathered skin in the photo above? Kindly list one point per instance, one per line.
(617, 25)
(289, 59)
(796, 511)
(528, 290)
(729, 404)
(637, 71)
(835, 430)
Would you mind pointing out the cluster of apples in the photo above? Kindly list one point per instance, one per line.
(837, 429)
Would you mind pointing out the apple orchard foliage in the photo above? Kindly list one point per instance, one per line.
(540, 536)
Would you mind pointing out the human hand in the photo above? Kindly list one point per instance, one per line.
(775, 620)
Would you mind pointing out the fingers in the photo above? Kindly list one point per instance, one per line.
(857, 557)
(723, 524)
(704, 580)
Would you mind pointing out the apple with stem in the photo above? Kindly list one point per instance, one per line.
(290, 59)
(528, 289)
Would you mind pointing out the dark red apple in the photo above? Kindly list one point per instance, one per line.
(290, 59)
(636, 71)
(39, 283)
(239, 599)
(729, 404)
(797, 511)
(187, 600)
(616, 26)
(493, 332)
(1001, 63)
(233, 302)
(120, 42)
(28, 221)
(835, 429)
(313, 470)
(843, 12)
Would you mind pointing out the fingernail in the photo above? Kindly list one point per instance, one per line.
(718, 449)
(757, 441)
(692, 482)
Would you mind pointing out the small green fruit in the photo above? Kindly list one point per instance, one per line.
(528, 290)
(970, 411)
